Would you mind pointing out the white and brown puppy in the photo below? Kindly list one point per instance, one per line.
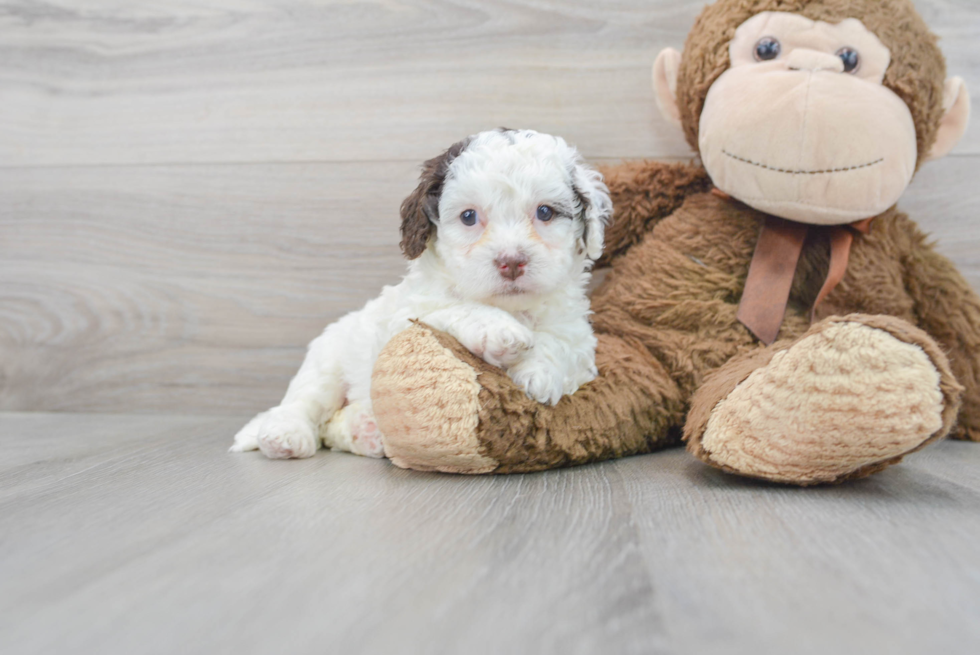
(502, 232)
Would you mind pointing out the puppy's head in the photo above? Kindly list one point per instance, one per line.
(508, 213)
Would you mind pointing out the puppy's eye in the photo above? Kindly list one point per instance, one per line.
(545, 213)
(767, 49)
(468, 217)
(851, 59)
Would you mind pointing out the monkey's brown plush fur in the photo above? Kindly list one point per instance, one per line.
(890, 364)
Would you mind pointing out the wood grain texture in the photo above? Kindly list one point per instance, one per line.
(139, 289)
(312, 80)
(191, 191)
(142, 287)
(123, 534)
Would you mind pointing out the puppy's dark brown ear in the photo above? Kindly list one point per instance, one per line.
(596, 206)
(420, 210)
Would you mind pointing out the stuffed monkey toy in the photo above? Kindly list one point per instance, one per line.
(771, 308)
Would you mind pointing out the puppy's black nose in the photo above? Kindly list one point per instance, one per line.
(511, 266)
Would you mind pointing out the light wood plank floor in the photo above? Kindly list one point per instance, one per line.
(139, 534)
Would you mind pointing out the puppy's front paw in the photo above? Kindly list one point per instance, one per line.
(283, 434)
(504, 344)
(539, 380)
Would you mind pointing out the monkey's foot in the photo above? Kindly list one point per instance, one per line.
(849, 398)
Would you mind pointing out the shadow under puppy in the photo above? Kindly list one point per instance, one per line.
(501, 232)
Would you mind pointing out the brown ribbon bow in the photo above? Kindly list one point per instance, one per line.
(773, 267)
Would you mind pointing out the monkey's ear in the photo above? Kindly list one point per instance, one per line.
(665, 70)
(597, 207)
(952, 127)
(420, 210)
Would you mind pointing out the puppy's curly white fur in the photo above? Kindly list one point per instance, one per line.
(501, 232)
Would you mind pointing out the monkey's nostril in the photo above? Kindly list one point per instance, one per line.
(511, 266)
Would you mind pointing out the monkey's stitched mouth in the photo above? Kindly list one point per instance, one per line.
(801, 172)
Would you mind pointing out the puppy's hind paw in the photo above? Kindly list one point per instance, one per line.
(248, 437)
(353, 429)
(365, 436)
(283, 435)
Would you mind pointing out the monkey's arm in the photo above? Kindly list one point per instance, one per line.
(644, 192)
(949, 310)
(442, 408)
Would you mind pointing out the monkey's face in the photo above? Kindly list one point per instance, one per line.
(800, 125)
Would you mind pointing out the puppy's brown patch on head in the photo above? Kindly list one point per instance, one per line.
(420, 210)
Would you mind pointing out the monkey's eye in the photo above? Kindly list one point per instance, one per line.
(545, 213)
(851, 59)
(468, 217)
(767, 49)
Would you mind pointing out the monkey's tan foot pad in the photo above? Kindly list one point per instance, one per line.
(849, 398)
(426, 403)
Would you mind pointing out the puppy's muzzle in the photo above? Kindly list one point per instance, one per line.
(511, 267)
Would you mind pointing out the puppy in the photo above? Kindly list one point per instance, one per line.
(501, 233)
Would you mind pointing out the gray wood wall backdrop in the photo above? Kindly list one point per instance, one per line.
(191, 189)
